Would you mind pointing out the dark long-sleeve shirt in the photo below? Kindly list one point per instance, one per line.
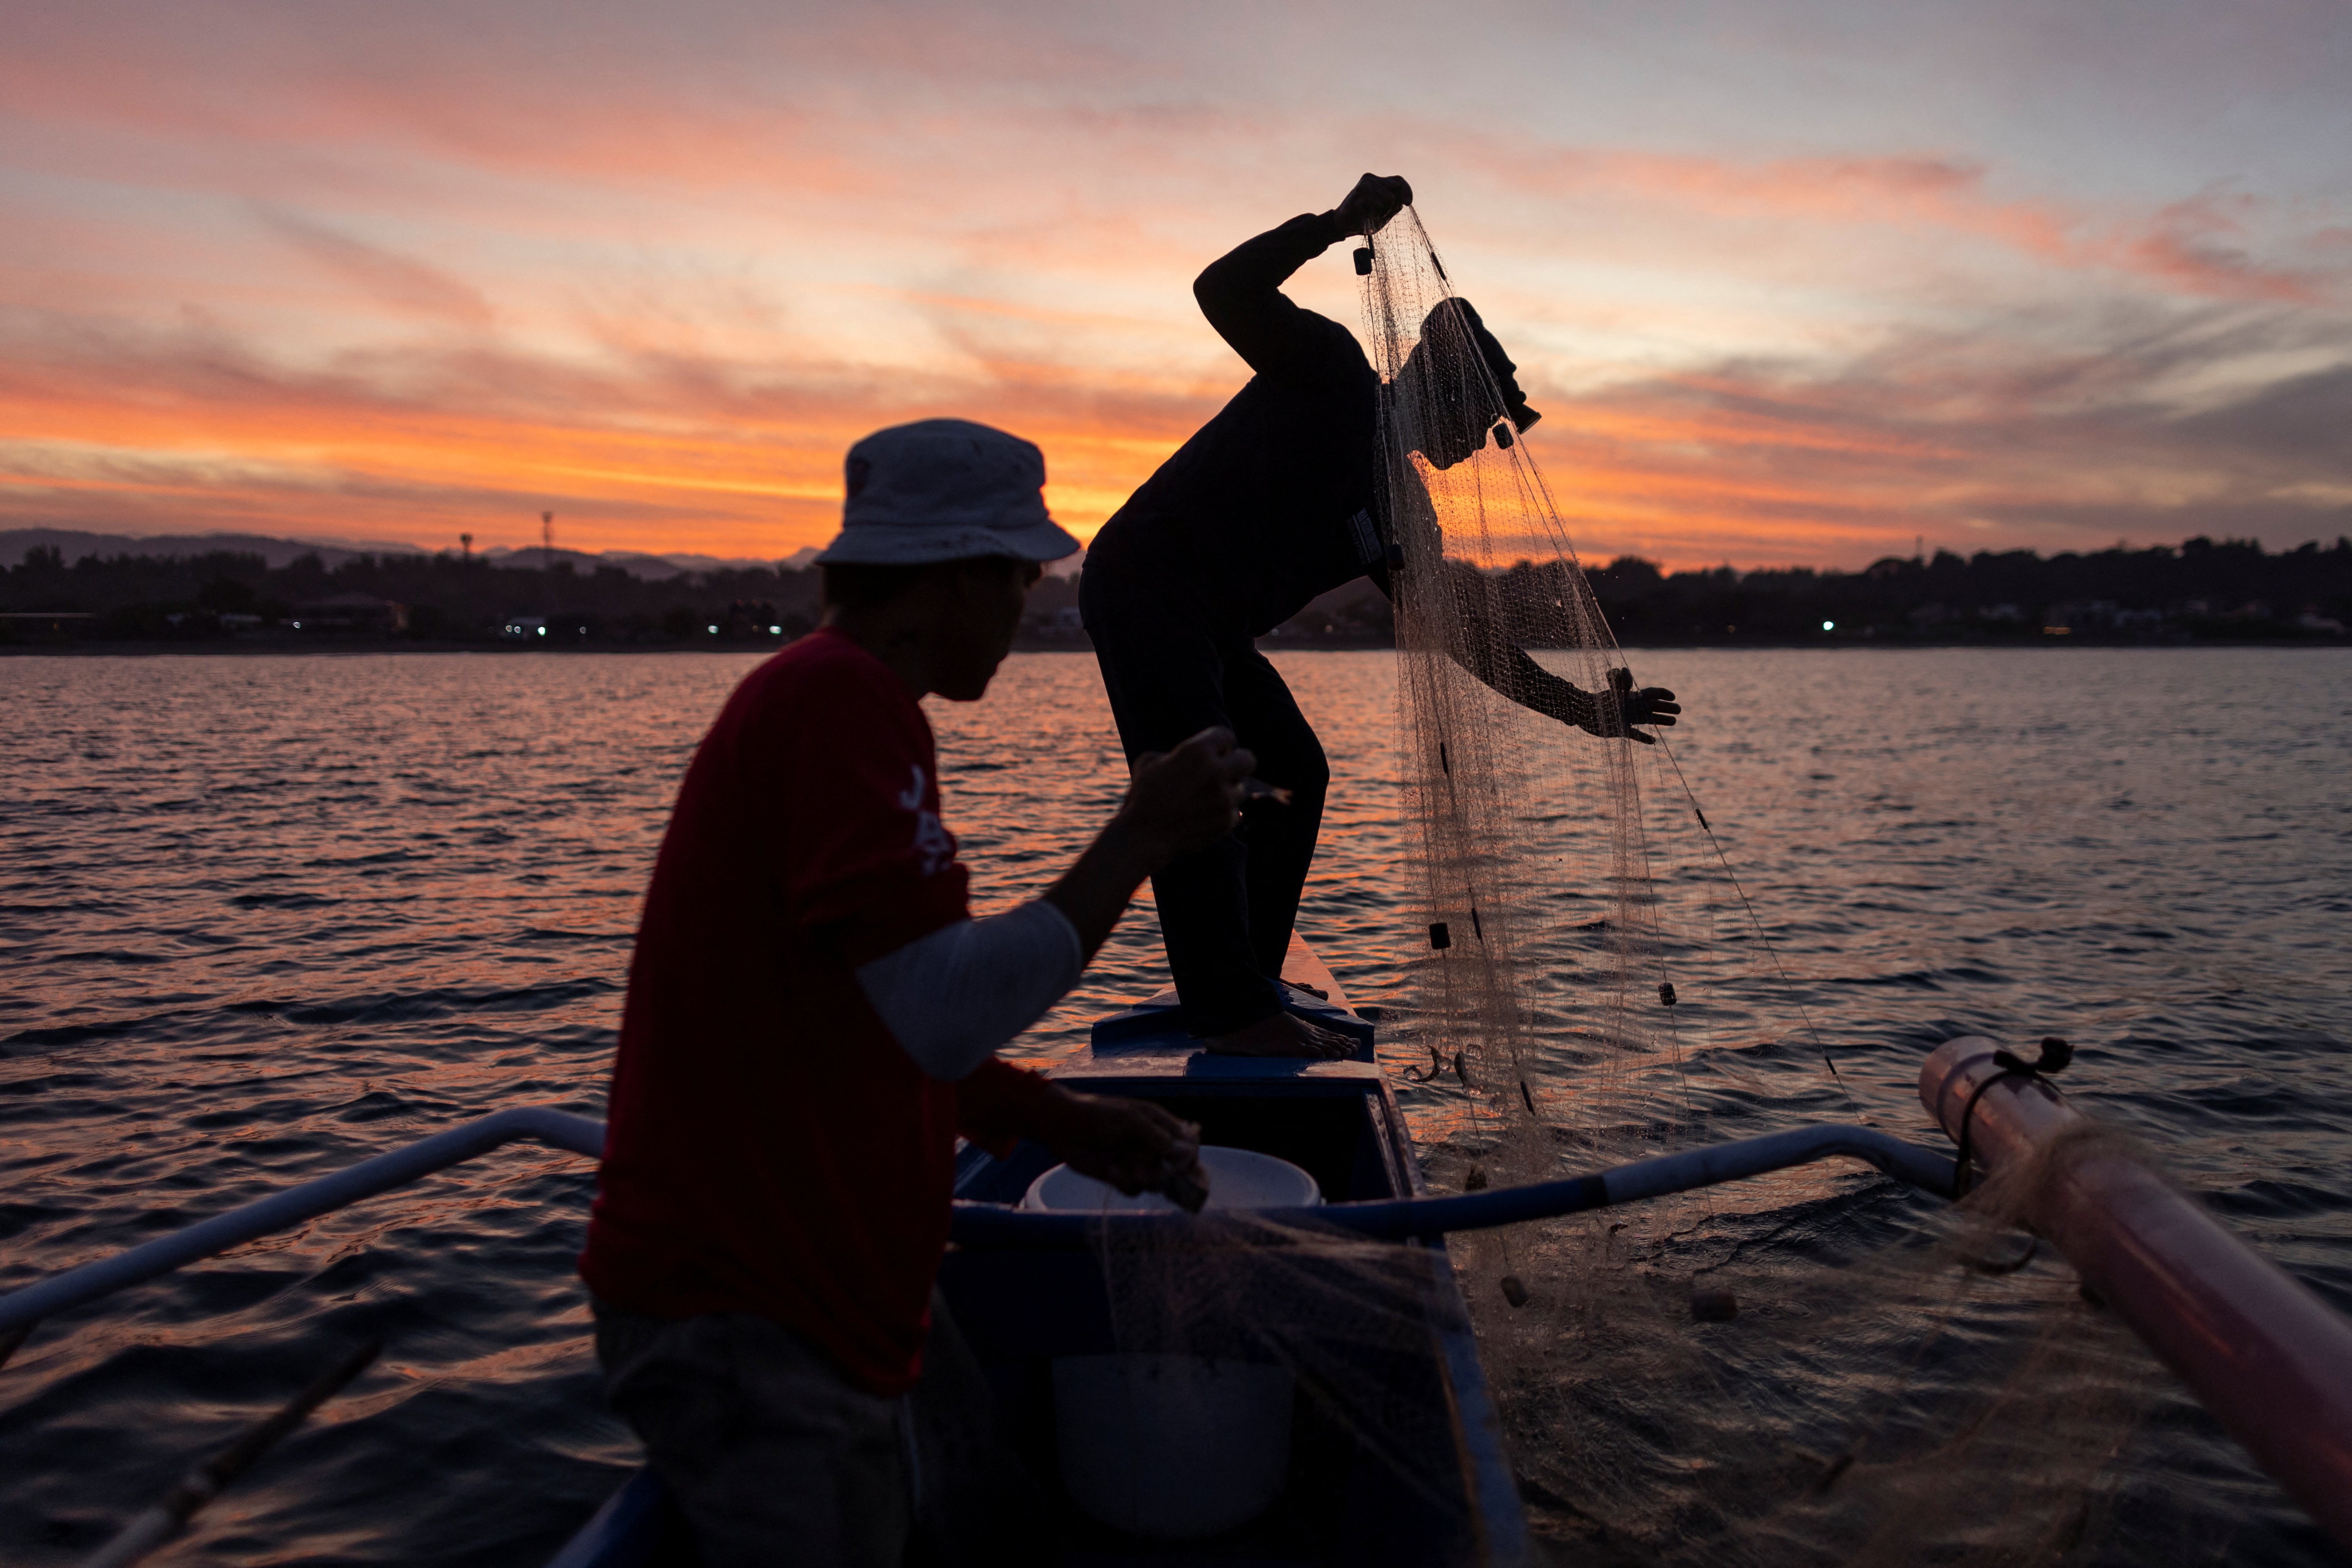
(1276, 500)
(1269, 503)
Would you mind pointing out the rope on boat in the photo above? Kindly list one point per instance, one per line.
(2055, 1054)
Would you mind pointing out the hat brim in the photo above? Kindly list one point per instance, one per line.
(872, 544)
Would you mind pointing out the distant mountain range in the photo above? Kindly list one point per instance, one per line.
(74, 545)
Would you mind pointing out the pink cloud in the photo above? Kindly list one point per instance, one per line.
(662, 279)
(2180, 246)
(402, 282)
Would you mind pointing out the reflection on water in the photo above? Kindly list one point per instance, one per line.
(263, 917)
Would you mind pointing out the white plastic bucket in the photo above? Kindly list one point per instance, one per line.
(1238, 1179)
(1174, 1446)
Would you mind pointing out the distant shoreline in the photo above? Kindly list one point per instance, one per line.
(354, 647)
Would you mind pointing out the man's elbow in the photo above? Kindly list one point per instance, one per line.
(1208, 293)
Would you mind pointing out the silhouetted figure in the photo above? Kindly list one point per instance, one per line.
(1271, 503)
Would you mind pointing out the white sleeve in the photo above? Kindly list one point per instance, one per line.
(952, 997)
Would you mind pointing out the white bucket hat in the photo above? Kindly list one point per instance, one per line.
(944, 489)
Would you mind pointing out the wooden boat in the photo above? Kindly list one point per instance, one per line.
(1020, 1308)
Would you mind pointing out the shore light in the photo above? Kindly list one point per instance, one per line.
(1829, 625)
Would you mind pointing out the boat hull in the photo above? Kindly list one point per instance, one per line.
(1021, 1311)
(1342, 1498)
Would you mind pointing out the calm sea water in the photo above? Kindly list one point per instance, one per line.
(263, 917)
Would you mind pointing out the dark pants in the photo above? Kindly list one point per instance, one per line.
(774, 1456)
(1170, 673)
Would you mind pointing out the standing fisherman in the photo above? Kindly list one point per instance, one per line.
(812, 1020)
(1272, 502)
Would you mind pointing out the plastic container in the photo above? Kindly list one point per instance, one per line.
(1238, 1179)
(1175, 1447)
(1172, 1446)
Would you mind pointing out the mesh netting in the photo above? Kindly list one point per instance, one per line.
(1885, 1394)
(1903, 1382)
(1542, 901)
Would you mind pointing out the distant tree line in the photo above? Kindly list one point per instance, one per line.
(2202, 590)
(439, 598)
(2233, 590)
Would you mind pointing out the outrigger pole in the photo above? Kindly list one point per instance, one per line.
(154, 1526)
(2268, 1358)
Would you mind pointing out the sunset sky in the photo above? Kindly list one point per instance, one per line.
(1794, 284)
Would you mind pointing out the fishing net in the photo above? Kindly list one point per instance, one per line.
(1817, 1367)
(1591, 987)
(1538, 867)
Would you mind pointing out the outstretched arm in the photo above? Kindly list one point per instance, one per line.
(1607, 714)
(951, 998)
(1509, 671)
(1241, 291)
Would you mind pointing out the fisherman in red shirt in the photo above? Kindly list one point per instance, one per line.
(812, 1019)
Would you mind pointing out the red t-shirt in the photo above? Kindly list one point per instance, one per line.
(770, 1148)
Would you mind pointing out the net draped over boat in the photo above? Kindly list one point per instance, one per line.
(1903, 1382)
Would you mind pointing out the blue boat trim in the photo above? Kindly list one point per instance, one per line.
(996, 1224)
(1157, 1025)
(625, 1532)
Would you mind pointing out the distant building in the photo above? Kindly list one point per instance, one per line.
(2078, 615)
(349, 612)
(42, 626)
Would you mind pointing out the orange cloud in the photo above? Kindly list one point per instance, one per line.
(1760, 464)
(270, 278)
(178, 432)
(401, 283)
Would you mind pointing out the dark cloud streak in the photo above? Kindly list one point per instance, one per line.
(401, 283)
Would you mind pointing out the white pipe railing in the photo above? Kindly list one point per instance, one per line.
(20, 1309)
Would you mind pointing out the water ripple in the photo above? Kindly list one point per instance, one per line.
(265, 917)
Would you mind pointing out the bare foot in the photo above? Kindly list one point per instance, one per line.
(1283, 1035)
